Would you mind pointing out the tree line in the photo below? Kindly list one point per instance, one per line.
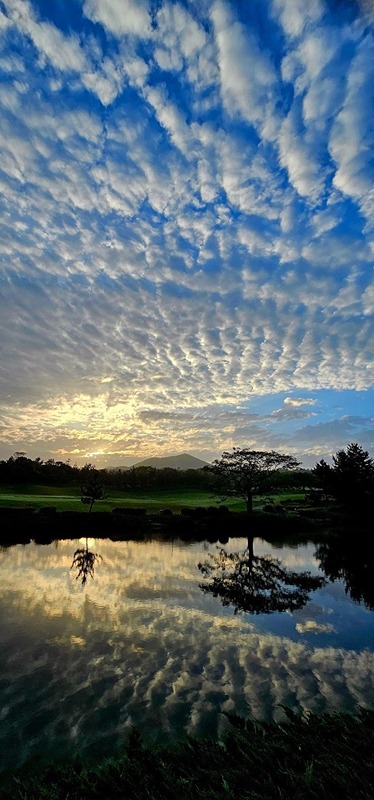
(241, 473)
(19, 470)
(244, 473)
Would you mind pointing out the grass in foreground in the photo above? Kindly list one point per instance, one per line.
(306, 758)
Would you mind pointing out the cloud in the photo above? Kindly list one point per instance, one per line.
(292, 413)
(107, 82)
(295, 18)
(171, 119)
(327, 435)
(299, 401)
(179, 36)
(185, 212)
(352, 141)
(64, 52)
(299, 157)
(130, 17)
(247, 74)
(311, 626)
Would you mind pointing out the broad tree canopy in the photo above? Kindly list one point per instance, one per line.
(259, 585)
(244, 473)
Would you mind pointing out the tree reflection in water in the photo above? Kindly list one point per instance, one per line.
(258, 585)
(353, 562)
(84, 562)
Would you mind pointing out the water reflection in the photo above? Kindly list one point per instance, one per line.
(353, 562)
(84, 562)
(256, 584)
(144, 646)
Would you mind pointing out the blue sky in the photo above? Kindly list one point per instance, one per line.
(187, 227)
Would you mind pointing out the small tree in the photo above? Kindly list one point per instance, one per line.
(245, 473)
(93, 488)
(84, 562)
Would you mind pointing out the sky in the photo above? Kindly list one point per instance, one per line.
(187, 227)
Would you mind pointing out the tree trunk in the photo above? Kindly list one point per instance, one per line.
(249, 503)
(250, 553)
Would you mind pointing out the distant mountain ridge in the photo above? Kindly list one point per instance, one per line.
(180, 461)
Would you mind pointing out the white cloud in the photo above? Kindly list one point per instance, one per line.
(311, 626)
(160, 231)
(299, 156)
(295, 17)
(120, 17)
(4, 21)
(178, 35)
(64, 52)
(107, 82)
(352, 140)
(246, 72)
(296, 402)
(169, 116)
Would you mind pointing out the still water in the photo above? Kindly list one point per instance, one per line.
(140, 643)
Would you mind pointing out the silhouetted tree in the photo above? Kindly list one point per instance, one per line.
(350, 479)
(84, 562)
(256, 584)
(351, 561)
(93, 489)
(245, 473)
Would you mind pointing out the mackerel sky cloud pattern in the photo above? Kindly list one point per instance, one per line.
(187, 227)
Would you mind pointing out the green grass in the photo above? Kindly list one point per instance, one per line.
(306, 758)
(67, 498)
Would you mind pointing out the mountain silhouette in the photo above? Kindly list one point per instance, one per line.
(180, 461)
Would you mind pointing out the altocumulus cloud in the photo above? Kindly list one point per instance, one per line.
(186, 226)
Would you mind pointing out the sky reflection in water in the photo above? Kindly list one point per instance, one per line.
(142, 645)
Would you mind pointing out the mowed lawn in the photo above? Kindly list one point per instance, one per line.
(67, 498)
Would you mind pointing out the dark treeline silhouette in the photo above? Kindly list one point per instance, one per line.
(20, 470)
(152, 478)
(341, 559)
(244, 473)
(350, 478)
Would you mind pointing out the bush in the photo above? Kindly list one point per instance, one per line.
(130, 512)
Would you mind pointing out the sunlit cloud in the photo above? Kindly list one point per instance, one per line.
(186, 222)
(311, 626)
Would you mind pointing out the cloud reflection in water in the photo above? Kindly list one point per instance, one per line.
(142, 645)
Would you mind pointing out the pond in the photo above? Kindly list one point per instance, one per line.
(140, 643)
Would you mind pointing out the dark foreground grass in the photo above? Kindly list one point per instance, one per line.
(305, 758)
